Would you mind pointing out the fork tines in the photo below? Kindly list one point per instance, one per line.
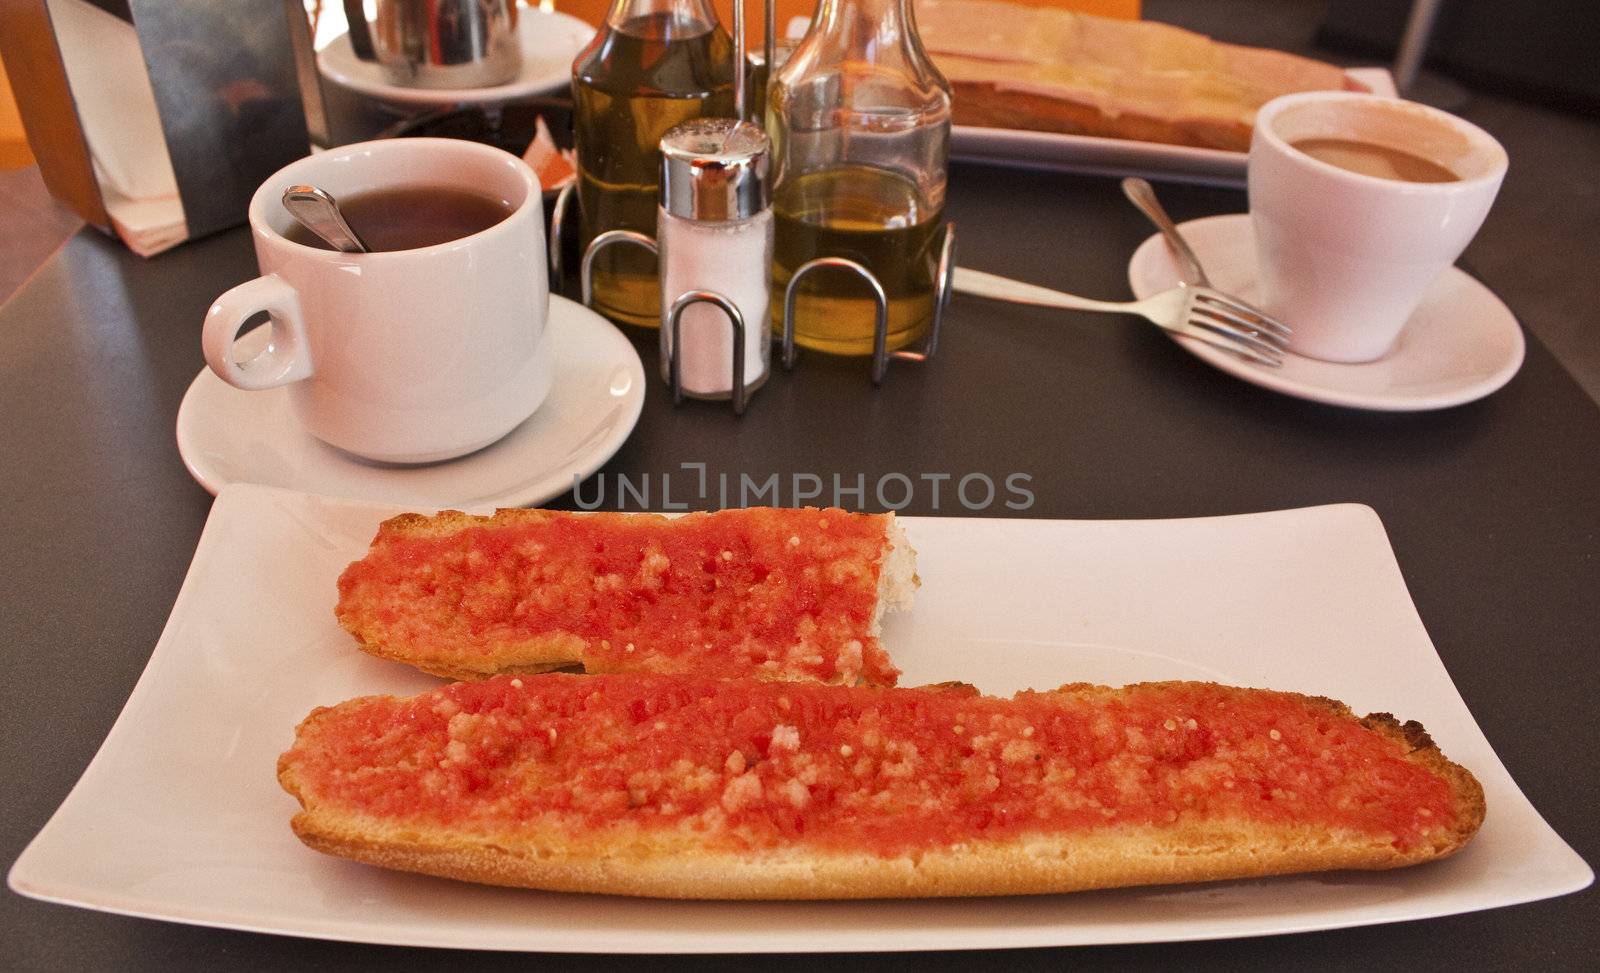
(1245, 330)
(1228, 308)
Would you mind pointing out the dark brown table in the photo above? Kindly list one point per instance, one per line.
(1493, 509)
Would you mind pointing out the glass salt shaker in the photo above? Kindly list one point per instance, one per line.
(714, 231)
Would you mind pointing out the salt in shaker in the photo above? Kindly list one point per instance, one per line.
(714, 230)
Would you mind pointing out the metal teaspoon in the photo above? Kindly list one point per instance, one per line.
(318, 211)
(1143, 195)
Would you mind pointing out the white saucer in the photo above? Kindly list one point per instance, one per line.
(550, 41)
(1460, 345)
(230, 436)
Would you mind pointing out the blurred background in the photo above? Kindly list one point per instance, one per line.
(1524, 71)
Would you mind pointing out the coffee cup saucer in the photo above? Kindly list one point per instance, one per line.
(1461, 344)
(226, 435)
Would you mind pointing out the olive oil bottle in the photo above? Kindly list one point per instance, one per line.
(653, 65)
(860, 125)
(876, 218)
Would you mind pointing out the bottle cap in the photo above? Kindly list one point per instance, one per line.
(714, 169)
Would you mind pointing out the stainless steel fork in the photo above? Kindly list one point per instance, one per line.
(1143, 196)
(1202, 313)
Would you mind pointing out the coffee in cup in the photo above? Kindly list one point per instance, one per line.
(1372, 159)
(1359, 202)
(432, 346)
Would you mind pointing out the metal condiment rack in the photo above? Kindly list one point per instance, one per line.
(674, 314)
(880, 331)
(881, 356)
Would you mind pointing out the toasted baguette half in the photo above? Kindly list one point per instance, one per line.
(1051, 70)
(762, 592)
(686, 788)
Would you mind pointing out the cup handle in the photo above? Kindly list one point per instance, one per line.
(287, 357)
(360, 35)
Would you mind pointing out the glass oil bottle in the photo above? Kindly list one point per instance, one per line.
(860, 123)
(653, 65)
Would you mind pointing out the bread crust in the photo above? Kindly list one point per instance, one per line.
(1043, 865)
(1049, 70)
(623, 861)
(981, 104)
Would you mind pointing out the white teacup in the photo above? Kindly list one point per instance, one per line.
(1344, 257)
(405, 356)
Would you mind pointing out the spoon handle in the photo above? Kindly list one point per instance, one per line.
(1143, 195)
(318, 212)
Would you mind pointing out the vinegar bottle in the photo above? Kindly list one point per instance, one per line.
(860, 123)
(653, 65)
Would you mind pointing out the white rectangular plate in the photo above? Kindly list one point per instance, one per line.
(1118, 157)
(180, 816)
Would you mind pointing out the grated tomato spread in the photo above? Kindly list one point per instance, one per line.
(750, 764)
(761, 592)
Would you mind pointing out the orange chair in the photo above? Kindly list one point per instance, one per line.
(14, 152)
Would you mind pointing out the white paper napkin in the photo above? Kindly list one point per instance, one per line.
(117, 109)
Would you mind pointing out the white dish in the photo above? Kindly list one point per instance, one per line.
(549, 43)
(1461, 344)
(230, 436)
(179, 816)
(1118, 157)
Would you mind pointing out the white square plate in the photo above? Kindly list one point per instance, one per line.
(180, 816)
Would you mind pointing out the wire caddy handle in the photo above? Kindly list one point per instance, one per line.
(674, 322)
(881, 355)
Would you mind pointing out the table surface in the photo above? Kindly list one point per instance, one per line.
(1493, 509)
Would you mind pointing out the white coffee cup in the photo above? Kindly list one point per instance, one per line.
(406, 356)
(1344, 258)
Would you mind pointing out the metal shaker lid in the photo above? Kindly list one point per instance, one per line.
(714, 169)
